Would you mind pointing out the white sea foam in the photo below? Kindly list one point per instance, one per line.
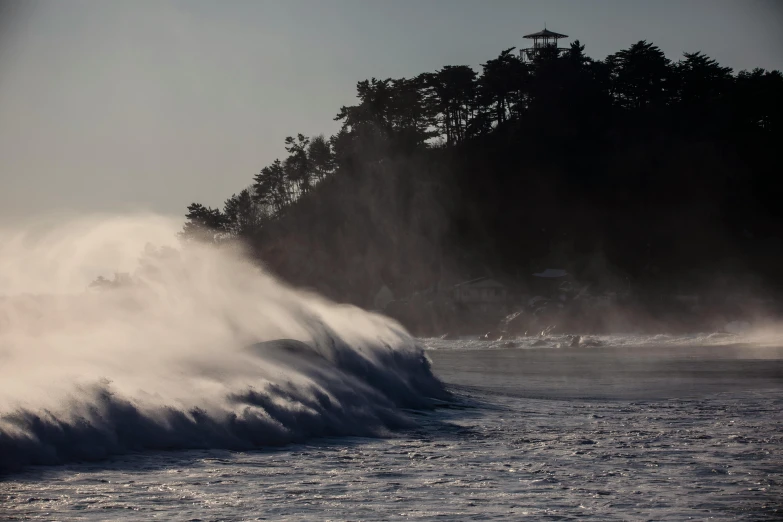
(750, 341)
(180, 356)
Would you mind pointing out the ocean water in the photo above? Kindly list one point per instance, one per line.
(198, 387)
(643, 430)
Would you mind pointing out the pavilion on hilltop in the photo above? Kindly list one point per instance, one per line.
(542, 39)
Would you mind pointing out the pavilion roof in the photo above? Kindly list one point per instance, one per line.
(545, 33)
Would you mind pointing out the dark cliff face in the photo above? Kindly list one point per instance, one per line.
(663, 212)
(661, 175)
(385, 225)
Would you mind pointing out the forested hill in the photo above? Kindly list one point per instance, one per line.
(661, 173)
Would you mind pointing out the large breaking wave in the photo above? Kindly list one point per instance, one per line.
(197, 348)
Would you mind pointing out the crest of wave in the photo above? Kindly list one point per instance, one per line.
(184, 353)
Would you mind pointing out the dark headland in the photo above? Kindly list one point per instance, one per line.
(640, 188)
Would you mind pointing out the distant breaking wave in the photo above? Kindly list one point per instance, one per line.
(197, 348)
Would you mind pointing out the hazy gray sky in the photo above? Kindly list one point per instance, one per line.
(110, 105)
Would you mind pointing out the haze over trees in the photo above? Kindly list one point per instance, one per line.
(662, 172)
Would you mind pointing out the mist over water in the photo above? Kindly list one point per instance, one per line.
(196, 348)
(177, 354)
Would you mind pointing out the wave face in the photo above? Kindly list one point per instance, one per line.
(197, 348)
